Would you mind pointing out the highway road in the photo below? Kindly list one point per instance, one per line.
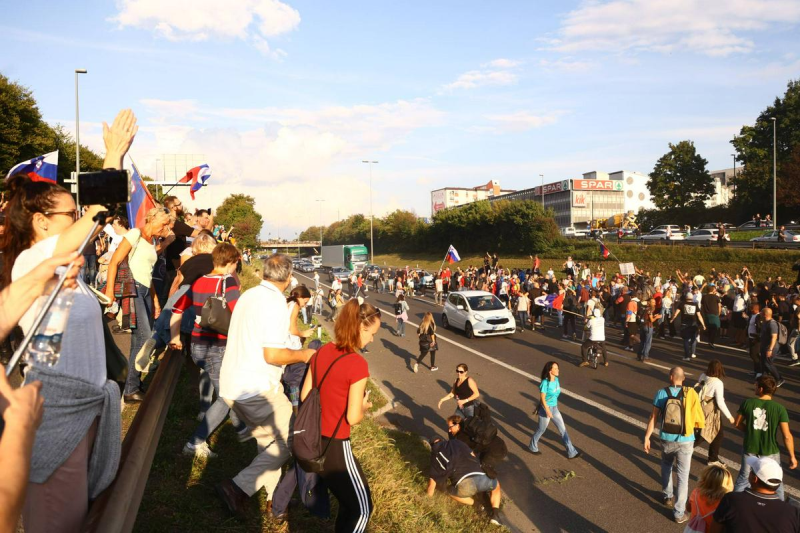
(614, 486)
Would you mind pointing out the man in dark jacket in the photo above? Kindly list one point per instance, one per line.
(489, 455)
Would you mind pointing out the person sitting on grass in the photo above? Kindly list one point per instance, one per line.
(454, 460)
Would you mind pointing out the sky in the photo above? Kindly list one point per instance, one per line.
(284, 100)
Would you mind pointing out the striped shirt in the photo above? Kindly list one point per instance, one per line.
(203, 289)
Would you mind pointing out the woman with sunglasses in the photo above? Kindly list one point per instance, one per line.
(341, 374)
(465, 391)
(138, 246)
(81, 420)
(549, 390)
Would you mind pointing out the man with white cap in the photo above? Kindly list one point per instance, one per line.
(759, 508)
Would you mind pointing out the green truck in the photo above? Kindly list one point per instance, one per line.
(353, 257)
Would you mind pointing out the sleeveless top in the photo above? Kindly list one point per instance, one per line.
(463, 391)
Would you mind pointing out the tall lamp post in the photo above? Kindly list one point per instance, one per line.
(371, 216)
(542, 176)
(774, 176)
(734, 176)
(77, 124)
(319, 210)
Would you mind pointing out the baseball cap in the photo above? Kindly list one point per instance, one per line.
(767, 470)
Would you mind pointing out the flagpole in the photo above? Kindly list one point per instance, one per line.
(609, 250)
(445, 259)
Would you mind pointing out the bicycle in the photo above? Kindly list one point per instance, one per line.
(592, 355)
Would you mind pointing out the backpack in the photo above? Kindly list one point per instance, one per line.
(783, 333)
(307, 434)
(672, 415)
(697, 524)
(398, 309)
(480, 428)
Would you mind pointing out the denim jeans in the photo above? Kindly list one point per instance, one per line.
(401, 326)
(90, 269)
(559, 422)
(465, 412)
(743, 479)
(161, 328)
(523, 319)
(143, 331)
(209, 358)
(647, 342)
(677, 455)
(689, 335)
(768, 365)
(560, 314)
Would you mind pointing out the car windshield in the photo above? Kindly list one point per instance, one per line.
(359, 257)
(486, 302)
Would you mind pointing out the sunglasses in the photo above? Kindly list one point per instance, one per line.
(461, 371)
(73, 213)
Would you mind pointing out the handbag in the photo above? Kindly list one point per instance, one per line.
(216, 315)
(116, 362)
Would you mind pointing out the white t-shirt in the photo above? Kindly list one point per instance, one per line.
(597, 329)
(83, 349)
(295, 342)
(116, 238)
(259, 321)
(142, 257)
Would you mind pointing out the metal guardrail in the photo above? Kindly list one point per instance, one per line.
(115, 510)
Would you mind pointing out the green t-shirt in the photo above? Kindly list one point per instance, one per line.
(762, 420)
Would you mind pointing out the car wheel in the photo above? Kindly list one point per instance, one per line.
(445, 322)
(468, 330)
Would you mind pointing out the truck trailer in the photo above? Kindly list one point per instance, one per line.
(353, 257)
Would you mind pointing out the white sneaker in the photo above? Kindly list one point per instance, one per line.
(200, 450)
(694, 356)
(416, 368)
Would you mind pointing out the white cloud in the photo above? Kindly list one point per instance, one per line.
(566, 64)
(711, 27)
(496, 72)
(199, 20)
(520, 121)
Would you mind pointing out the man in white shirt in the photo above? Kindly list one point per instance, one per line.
(597, 336)
(250, 380)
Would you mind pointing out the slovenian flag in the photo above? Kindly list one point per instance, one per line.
(603, 251)
(141, 200)
(198, 176)
(452, 255)
(42, 168)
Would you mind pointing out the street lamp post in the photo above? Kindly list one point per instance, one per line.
(774, 176)
(734, 176)
(542, 176)
(371, 215)
(77, 124)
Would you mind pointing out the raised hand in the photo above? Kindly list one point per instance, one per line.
(119, 137)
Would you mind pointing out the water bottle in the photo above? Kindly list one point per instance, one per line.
(45, 347)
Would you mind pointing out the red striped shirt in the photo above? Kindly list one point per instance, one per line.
(203, 289)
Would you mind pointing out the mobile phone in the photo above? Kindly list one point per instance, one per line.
(106, 187)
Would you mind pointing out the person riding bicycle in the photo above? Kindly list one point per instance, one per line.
(596, 325)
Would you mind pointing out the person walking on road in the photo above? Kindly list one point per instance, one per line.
(712, 400)
(715, 482)
(769, 345)
(427, 341)
(678, 410)
(401, 315)
(690, 319)
(465, 391)
(549, 390)
(650, 318)
(597, 336)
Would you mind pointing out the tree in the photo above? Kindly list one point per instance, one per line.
(680, 178)
(156, 190)
(238, 210)
(311, 234)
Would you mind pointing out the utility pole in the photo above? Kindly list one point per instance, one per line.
(371, 215)
(774, 176)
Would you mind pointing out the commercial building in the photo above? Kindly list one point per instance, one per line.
(457, 196)
(724, 186)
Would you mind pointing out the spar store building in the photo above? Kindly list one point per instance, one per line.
(597, 196)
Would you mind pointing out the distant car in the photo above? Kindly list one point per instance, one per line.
(706, 235)
(675, 228)
(714, 225)
(478, 313)
(316, 260)
(339, 273)
(371, 271)
(661, 235)
(772, 236)
(752, 225)
(574, 232)
(425, 277)
(305, 266)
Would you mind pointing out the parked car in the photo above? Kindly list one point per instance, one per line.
(661, 235)
(339, 273)
(305, 266)
(425, 277)
(714, 225)
(371, 272)
(772, 236)
(751, 224)
(706, 235)
(316, 260)
(574, 232)
(478, 313)
(675, 228)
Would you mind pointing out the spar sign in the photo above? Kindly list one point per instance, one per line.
(597, 185)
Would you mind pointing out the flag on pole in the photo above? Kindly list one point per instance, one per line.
(42, 168)
(452, 255)
(198, 176)
(603, 251)
(141, 200)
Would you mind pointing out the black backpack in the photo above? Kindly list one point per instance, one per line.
(398, 309)
(480, 428)
(673, 414)
(307, 434)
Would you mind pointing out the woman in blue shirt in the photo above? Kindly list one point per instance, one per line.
(549, 389)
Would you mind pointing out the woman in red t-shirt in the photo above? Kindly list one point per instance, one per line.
(344, 400)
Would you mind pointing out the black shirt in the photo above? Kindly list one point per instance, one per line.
(748, 512)
(453, 460)
(688, 315)
(710, 304)
(196, 267)
(173, 251)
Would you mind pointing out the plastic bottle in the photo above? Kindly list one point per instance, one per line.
(45, 347)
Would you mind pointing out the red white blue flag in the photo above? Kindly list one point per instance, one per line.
(141, 200)
(452, 255)
(198, 176)
(42, 168)
(603, 251)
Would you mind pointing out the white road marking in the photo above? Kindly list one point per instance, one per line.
(733, 465)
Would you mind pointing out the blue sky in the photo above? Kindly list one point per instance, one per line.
(284, 99)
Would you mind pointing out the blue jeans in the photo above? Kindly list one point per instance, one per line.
(90, 269)
(743, 479)
(689, 340)
(560, 314)
(209, 358)
(679, 455)
(523, 318)
(143, 331)
(161, 329)
(559, 422)
(401, 326)
(466, 412)
(647, 342)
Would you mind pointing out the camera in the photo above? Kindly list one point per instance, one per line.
(105, 187)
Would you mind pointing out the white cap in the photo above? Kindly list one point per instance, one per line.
(767, 470)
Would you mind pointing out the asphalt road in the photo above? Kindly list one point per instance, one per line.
(614, 486)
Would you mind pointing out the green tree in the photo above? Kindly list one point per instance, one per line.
(238, 210)
(156, 190)
(680, 178)
(23, 133)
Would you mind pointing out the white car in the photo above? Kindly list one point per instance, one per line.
(574, 232)
(706, 235)
(478, 313)
(661, 235)
(772, 236)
